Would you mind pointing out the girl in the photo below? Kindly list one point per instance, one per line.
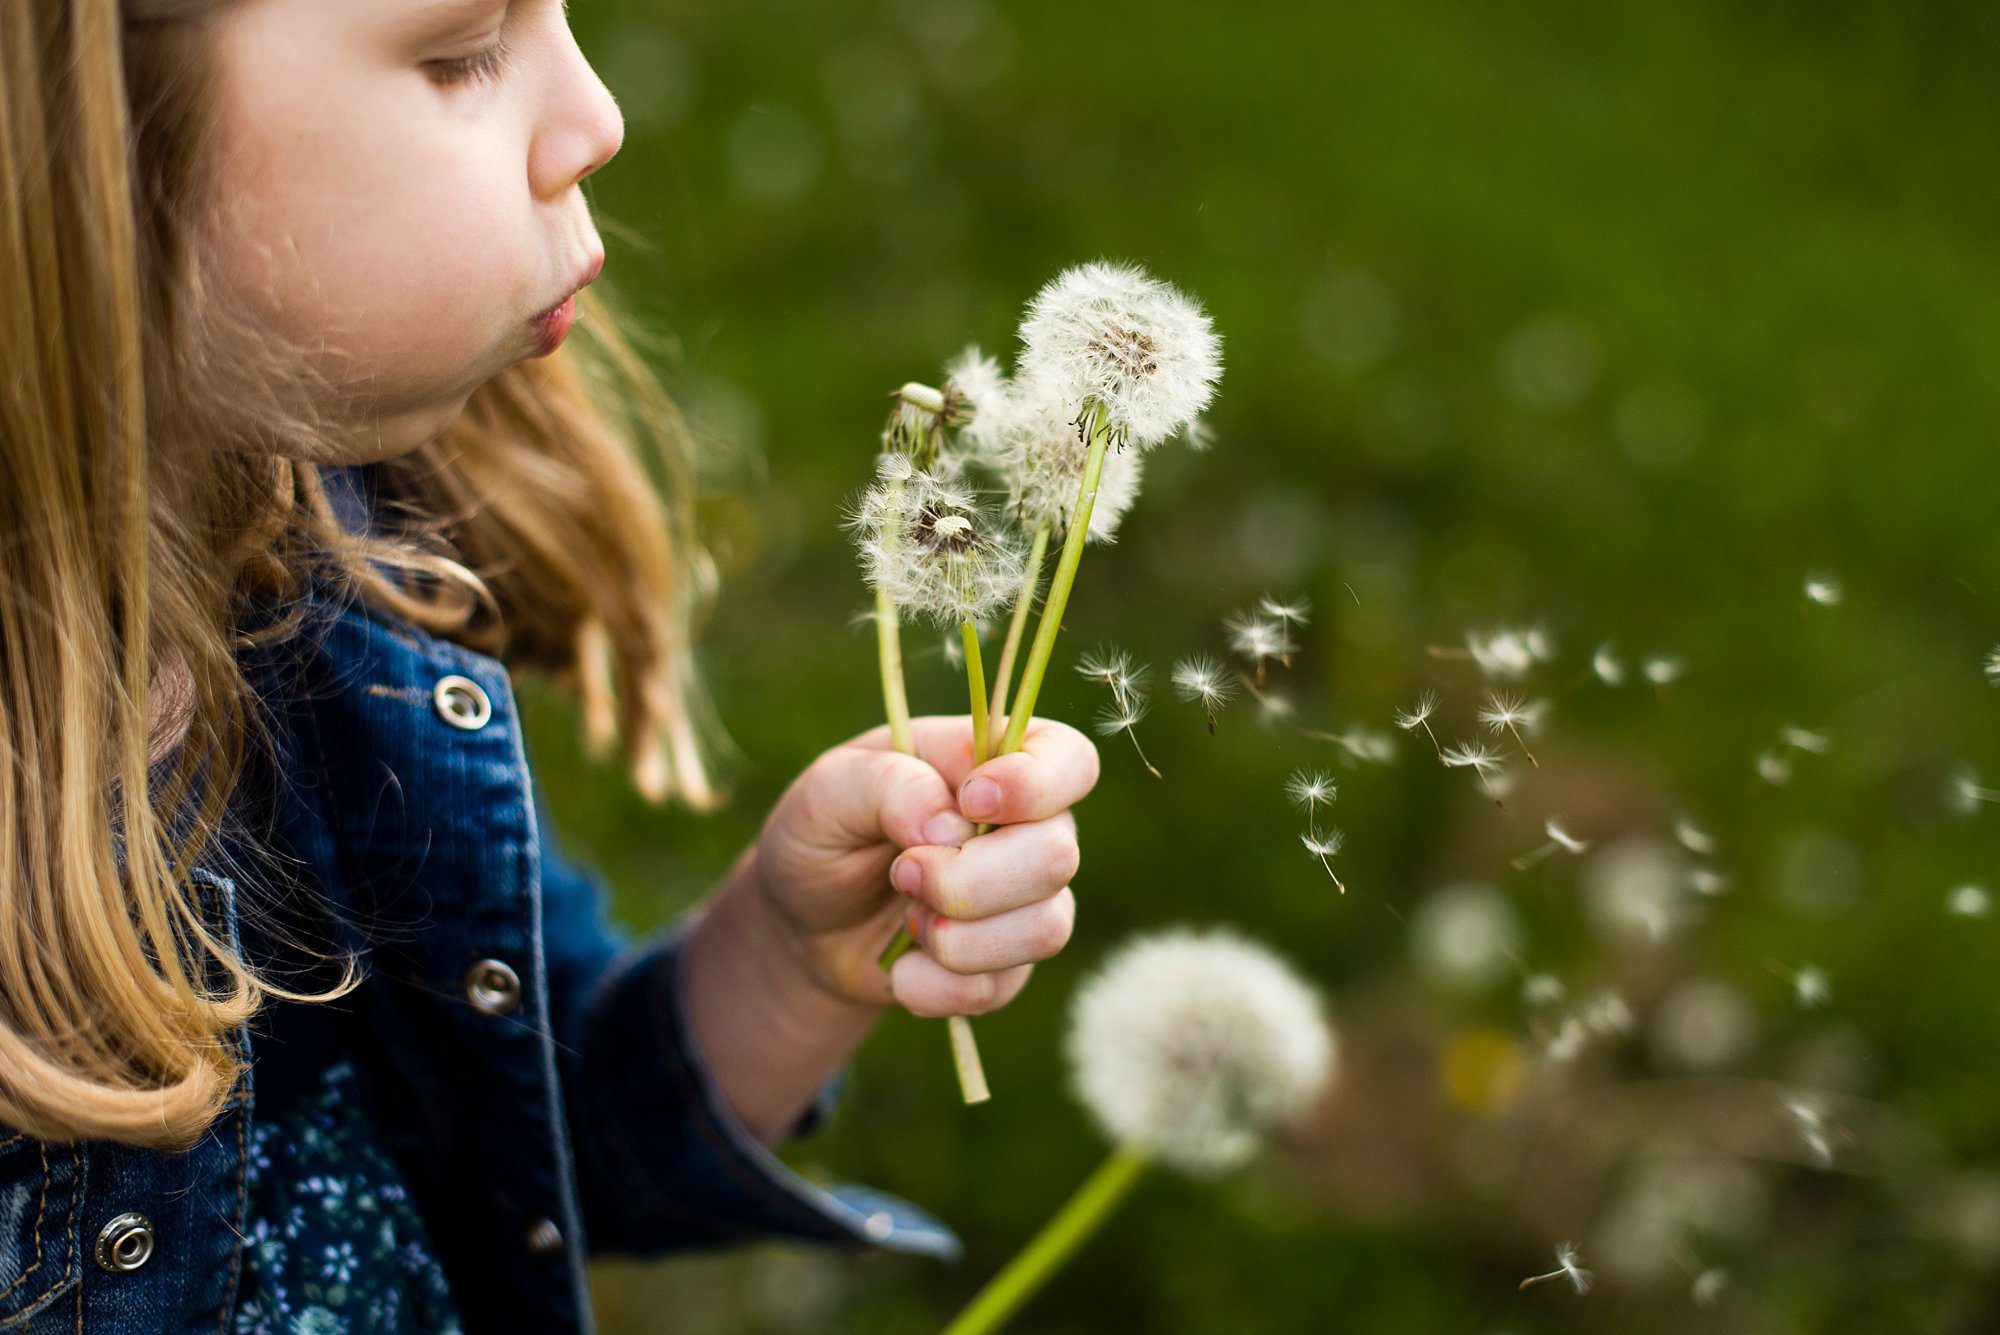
(306, 1023)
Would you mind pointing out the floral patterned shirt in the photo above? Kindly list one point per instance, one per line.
(335, 1245)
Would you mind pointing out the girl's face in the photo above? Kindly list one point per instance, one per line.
(398, 190)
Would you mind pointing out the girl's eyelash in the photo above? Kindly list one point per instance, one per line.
(477, 67)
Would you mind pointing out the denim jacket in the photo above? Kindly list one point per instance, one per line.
(551, 1101)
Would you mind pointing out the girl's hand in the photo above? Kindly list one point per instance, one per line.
(983, 909)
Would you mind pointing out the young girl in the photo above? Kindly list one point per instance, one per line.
(305, 1021)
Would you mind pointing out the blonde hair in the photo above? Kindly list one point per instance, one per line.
(152, 479)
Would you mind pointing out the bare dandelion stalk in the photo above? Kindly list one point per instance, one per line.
(1030, 585)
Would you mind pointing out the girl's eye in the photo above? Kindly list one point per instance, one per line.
(475, 68)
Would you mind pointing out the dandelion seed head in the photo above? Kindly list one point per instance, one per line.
(1824, 590)
(1192, 1044)
(987, 395)
(1311, 789)
(1969, 901)
(1205, 679)
(926, 545)
(1113, 333)
(1610, 669)
(1036, 452)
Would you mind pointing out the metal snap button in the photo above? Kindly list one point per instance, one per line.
(493, 987)
(462, 702)
(879, 1225)
(544, 1238)
(126, 1242)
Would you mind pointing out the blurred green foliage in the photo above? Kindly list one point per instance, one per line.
(1620, 320)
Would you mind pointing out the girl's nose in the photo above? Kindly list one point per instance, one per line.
(582, 128)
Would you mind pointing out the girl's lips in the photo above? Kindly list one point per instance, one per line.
(552, 326)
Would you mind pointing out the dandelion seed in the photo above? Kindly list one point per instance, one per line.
(1707, 882)
(1543, 989)
(1809, 1121)
(1824, 590)
(1114, 335)
(1992, 666)
(1816, 742)
(1409, 720)
(1558, 838)
(1198, 434)
(1664, 669)
(1773, 768)
(1365, 746)
(1968, 901)
(1810, 987)
(1311, 790)
(1505, 713)
(987, 401)
(1693, 838)
(1708, 1286)
(1123, 715)
(954, 648)
(1034, 449)
(1479, 759)
(1610, 669)
(1567, 1267)
(1504, 653)
(1192, 1044)
(1289, 614)
(929, 549)
(1204, 679)
(1324, 847)
(1274, 708)
(1115, 669)
(1964, 793)
(1259, 639)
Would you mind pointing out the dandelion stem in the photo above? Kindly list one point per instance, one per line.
(1049, 1249)
(1031, 583)
(975, 681)
(1065, 576)
(889, 650)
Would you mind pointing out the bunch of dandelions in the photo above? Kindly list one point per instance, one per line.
(1128, 684)
(1188, 1047)
(1113, 362)
(927, 548)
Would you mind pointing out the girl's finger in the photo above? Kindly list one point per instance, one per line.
(1055, 769)
(945, 740)
(987, 945)
(1014, 866)
(925, 987)
(852, 796)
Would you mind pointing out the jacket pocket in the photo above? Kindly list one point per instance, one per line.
(40, 1255)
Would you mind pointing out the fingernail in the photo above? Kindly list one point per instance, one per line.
(980, 798)
(906, 875)
(948, 828)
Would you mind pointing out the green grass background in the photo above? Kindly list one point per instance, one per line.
(1620, 319)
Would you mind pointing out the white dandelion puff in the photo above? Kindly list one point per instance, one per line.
(1567, 1267)
(1803, 740)
(1507, 713)
(988, 399)
(1204, 679)
(1968, 901)
(1664, 669)
(1824, 590)
(1190, 1045)
(1034, 449)
(1409, 720)
(1114, 335)
(927, 546)
(1773, 768)
(918, 421)
(1610, 669)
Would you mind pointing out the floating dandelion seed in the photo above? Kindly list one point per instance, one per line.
(954, 648)
(1809, 1121)
(1708, 1286)
(1311, 790)
(1543, 989)
(1114, 668)
(1810, 987)
(1123, 715)
(1204, 679)
(1198, 434)
(1293, 613)
(1692, 837)
(1364, 745)
(1274, 707)
(1707, 881)
(1773, 768)
(1505, 713)
(987, 397)
(1558, 838)
(1409, 720)
(1800, 739)
(1504, 653)
(1567, 1267)
(1259, 639)
(1993, 666)
(1968, 901)
(1476, 757)
(1610, 669)
(1824, 590)
(1325, 846)
(1664, 669)
(1964, 793)
(1114, 334)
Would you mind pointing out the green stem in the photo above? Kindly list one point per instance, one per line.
(1065, 576)
(1046, 1252)
(1030, 584)
(889, 649)
(975, 682)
